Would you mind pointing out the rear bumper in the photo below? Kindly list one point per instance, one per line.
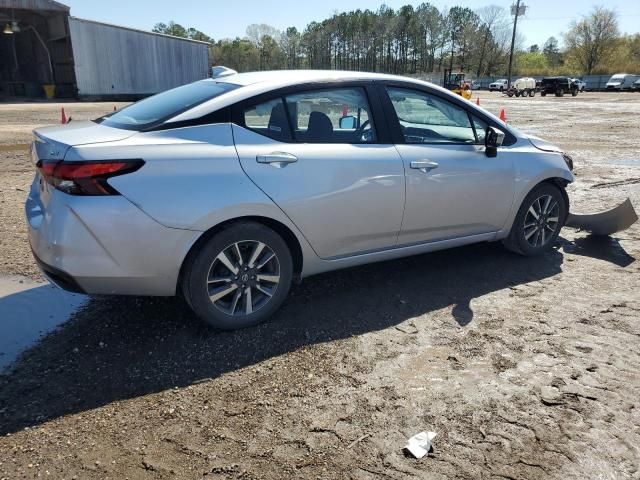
(103, 245)
(58, 277)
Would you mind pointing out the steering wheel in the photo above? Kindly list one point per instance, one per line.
(363, 126)
(361, 133)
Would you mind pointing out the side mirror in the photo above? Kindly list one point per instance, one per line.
(492, 140)
(348, 122)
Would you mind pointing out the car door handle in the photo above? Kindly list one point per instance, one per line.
(277, 159)
(425, 166)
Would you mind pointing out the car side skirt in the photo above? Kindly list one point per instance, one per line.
(320, 266)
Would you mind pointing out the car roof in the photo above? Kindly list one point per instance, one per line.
(278, 77)
(256, 83)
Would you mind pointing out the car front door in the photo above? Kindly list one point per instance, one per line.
(320, 155)
(453, 189)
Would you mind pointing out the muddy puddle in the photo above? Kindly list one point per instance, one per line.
(29, 310)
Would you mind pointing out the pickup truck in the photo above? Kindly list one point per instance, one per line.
(499, 85)
(558, 86)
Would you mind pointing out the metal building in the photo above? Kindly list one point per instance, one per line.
(43, 47)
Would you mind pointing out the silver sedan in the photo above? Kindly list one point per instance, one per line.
(228, 189)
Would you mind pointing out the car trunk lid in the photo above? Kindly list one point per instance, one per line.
(52, 143)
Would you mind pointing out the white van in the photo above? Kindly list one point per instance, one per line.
(622, 81)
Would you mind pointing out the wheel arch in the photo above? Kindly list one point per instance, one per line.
(280, 228)
(557, 181)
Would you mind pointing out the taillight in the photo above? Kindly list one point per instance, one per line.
(85, 178)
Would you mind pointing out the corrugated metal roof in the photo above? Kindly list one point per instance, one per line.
(49, 5)
(138, 30)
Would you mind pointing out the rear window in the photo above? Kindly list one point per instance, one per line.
(155, 110)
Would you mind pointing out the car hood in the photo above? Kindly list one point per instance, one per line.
(543, 145)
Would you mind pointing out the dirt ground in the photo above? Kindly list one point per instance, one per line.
(526, 368)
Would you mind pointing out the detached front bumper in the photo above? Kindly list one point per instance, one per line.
(103, 244)
(605, 223)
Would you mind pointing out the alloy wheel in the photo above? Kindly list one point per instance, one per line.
(243, 278)
(541, 221)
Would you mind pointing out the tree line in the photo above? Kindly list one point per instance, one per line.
(424, 39)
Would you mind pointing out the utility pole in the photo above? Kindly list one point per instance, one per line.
(515, 10)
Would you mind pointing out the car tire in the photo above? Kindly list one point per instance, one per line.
(574, 92)
(256, 284)
(532, 93)
(560, 92)
(530, 236)
(543, 94)
(501, 89)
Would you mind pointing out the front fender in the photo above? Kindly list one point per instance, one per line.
(535, 168)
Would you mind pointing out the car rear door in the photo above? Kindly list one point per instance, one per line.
(323, 156)
(453, 189)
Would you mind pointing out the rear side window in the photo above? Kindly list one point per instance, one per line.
(269, 119)
(155, 110)
(426, 118)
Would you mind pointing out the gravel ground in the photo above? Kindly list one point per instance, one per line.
(526, 368)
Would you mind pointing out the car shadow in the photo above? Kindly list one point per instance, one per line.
(119, 348)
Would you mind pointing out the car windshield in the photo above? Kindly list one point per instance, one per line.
(155, 110)
(617, 78)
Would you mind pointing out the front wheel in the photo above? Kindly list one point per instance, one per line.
(532, 93)
(240, 277)
(543, 93)
(538, 222)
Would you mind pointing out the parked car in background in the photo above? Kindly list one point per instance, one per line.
(636, 86)
(525, 86)
(558, 86)
(582, 85)
(475, 85)
(228, 189)
(499, 85)
(621, 81)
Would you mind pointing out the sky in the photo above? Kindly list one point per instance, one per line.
(229, 19)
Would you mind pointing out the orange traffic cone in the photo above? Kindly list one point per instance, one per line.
(478, 101)
(63, 117)
(503, 117)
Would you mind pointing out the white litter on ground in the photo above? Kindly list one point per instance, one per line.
(420, 444)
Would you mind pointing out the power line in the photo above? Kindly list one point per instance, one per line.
(575, 17)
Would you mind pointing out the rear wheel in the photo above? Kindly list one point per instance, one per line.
(574, 92)
(532, 93)
(538, 222)
(560, 92)
(240, 277)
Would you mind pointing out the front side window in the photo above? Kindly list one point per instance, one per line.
(155, 110)
(426, 118)
(340, 115)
